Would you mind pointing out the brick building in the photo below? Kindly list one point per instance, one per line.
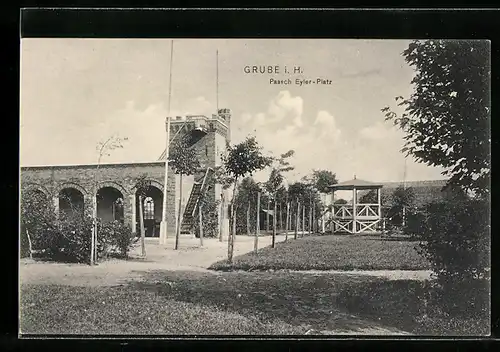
(112, 187)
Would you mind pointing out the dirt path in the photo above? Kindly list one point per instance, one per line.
(189, 257)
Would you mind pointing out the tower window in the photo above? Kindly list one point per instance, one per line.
(149, 208)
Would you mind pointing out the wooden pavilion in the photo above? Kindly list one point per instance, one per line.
(356, 217)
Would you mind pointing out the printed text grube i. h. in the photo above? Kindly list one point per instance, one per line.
(272, 69)
(276, 70)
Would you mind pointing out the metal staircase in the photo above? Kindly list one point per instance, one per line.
(197, 192)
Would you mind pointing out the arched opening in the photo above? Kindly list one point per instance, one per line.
(110, 204)
(152, 207)
(71, 202)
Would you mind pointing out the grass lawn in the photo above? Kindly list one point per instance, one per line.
(70, 310)
(185, 302)
(332, 252)
(237, 303)
(402, 303)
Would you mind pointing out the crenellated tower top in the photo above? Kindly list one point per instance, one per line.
(218, 124)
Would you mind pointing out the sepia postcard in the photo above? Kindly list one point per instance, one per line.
(254, 187)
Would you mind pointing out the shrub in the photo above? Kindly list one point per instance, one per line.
(74, 236)
(114, 238)
(67, 237)
(454, 237)
(210, 218)
(39, 219)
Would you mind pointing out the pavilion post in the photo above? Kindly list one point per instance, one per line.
(332, 223)
(354, 210)
(379, 203)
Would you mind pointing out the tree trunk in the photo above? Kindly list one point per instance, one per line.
(297, 221)
(273, 244)
(249, 231)
(232, 231)
(290, 226)
(29, 244)
(311, 225)
(403, 222)
(230, 247)
(92, 240)
(141, 225)
(315, 225)
(280, 211)
(234, 224)
(303, 219)
(94, 231)
(200, 223)
(179, 218)
(257, 228)
(222, 217)
(323, 222)
(267, 215)
(287, 222)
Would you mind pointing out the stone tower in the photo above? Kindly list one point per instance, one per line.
(209, 136)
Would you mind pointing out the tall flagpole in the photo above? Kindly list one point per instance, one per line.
(163, 224)
(404, 188)
(217, 79)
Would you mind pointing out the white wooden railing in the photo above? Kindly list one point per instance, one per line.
(363, 211)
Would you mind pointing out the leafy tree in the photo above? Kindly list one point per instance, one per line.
(456, 242)
(298, 193)
(369, 198)
(246, 199)
(312, 195)
(403, 198)
(323, 179)
(446, 121)
(340, 201)
(282, 198)
(320, 181)
(104, 148)
(275, 182)
(447, 117)
(184, 161)
(241, 160)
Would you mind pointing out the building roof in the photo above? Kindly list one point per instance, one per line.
(355, 183)
(416, 184)
(424, 191)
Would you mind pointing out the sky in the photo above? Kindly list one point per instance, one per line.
(76, 93)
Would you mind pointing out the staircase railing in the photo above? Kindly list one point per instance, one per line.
(202, 190)
(194, 200)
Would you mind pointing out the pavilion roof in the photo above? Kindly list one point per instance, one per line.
(355, 183)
